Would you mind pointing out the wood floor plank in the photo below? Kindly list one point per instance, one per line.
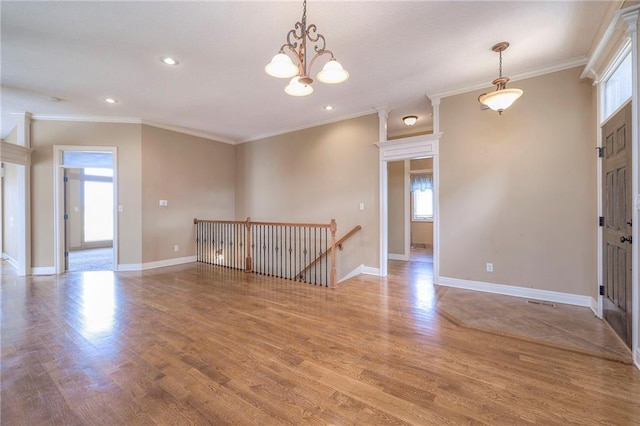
(196, 344)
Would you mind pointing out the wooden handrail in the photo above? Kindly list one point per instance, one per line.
(330, 250)
(291, 224)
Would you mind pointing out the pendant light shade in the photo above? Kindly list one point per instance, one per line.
(500, 99)
(281, 67)
(333, 73)
(296, 88)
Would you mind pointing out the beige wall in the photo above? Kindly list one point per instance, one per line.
(196, 177)
(126, 137)
(10, 201)
(314, 175)
(397, 215)
(519, 190)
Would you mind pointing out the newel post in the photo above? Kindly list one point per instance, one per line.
(334, 274)
(248, 266)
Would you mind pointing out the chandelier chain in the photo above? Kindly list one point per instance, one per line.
(501, 64)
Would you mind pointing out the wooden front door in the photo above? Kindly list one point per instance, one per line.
(616, 169)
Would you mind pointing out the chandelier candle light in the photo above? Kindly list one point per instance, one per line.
(502, 98)
(281, 65)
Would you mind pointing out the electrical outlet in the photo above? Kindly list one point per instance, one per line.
(361, 206)
(176, 248)
(489, 267)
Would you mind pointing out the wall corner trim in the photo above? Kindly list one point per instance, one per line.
(524, 292)
(10, 260)
(361, 270)
(127, 267)
(594, 307)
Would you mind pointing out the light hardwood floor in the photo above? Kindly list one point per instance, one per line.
(198, 344)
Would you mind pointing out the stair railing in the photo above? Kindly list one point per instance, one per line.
(277, 249)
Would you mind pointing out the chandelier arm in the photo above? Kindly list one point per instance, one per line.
(318, 54)
(293, 50)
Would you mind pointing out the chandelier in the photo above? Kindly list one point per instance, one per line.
(281, 65)
(502, 98)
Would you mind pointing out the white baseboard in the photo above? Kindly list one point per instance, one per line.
(369, 270)
(509, 290)
(594, 307)
(361, 270)
(394, 256)
(10, 260)
(43, 270)
(152, 265)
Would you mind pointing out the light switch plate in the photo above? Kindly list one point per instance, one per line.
(164, 203)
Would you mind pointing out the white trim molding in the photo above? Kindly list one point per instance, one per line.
(43, 270)
(560, 66)
(15, 154)
(524, 292)
(361, 270)
(10, 260)
(126, 267)
(394, 256)
(595, 307)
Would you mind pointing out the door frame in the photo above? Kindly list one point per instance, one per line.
(58, 199)
(407, 149)
(627, 44)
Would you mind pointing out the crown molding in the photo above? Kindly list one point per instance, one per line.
(603, 45)
(87, 118)
(560, 66)
(129, 120)
(190, 132)
(309, 126)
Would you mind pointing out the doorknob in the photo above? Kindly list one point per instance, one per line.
(623, 239)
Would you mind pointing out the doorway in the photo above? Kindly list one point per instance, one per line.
(85, 195)
(411, 210)
(88, 218)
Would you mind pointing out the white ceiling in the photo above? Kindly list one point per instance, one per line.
(396, 53)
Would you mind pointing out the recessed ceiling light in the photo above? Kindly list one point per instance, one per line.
(328, 107)
(111, 100)
(168, 60)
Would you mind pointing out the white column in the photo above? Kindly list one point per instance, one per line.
(435, 103)
(24, 203)
(383, 115)
(631, 19)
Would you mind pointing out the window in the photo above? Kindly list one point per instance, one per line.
(617, 88)
(421, 196)
(422, 205)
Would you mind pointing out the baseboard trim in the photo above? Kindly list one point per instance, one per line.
(361, 270)
(394, 256)
(43, 270)
(509, 290)
(10, 260)
(594, 306)
(127, 267)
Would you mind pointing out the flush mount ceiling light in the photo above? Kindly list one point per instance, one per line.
(111, 100)
(168, 60)
(328, 107)
(281, 65)
(410, 120)
(502, 98)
